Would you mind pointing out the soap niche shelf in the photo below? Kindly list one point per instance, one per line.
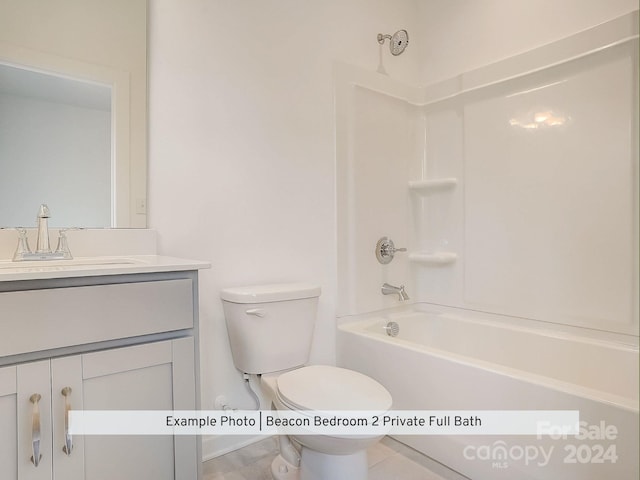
(433, 258)
(426, 186)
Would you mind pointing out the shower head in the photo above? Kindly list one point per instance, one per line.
(397, 42)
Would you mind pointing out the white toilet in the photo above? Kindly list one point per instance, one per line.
(270, 330)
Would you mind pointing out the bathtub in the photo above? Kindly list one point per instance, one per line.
(461, 360)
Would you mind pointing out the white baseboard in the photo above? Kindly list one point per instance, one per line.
(215, 445)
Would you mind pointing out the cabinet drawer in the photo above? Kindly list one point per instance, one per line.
(35, 320)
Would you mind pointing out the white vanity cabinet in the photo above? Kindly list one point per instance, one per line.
(124, 342)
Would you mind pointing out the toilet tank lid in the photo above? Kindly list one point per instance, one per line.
(270, 293)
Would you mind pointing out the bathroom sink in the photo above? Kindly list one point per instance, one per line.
(94, 266)
(44, 265)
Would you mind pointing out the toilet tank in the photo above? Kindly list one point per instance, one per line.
(270, 327)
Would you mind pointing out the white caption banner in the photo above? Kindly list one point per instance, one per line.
(352, 422)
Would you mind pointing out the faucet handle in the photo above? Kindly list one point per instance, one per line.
(63, 244)
(23, 244)
(385, 250)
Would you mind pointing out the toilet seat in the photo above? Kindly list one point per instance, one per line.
(327, 388)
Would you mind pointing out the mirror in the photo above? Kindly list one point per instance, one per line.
(55, 143)
(73, 112)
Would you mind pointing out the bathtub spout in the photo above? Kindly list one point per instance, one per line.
(392, 290)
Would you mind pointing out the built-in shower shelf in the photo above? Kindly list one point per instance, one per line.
(431, 185)
(433, 258)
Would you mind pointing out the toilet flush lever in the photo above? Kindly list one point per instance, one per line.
(257, 312)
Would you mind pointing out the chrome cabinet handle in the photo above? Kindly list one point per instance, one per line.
(68, 441)
(35, 429)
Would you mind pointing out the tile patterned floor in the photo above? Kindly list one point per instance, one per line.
(388, 460)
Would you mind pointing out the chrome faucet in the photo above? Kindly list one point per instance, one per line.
(392, 290)
(43, 249)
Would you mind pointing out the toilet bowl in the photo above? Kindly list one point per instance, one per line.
(270, 329)
(321, 388)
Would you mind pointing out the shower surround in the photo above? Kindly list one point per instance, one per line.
(515, 189)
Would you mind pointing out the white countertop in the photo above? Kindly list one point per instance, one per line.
(95, 266)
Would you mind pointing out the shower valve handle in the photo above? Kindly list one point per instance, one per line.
(385, 250)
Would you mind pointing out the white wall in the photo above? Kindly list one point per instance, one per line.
(241, 147)
(460, 35)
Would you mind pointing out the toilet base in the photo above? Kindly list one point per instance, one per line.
(321, 466)
(283, 470)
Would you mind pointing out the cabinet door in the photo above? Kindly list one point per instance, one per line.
(156, 376)
(35, 398)
(25, 410)
(9, 420)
